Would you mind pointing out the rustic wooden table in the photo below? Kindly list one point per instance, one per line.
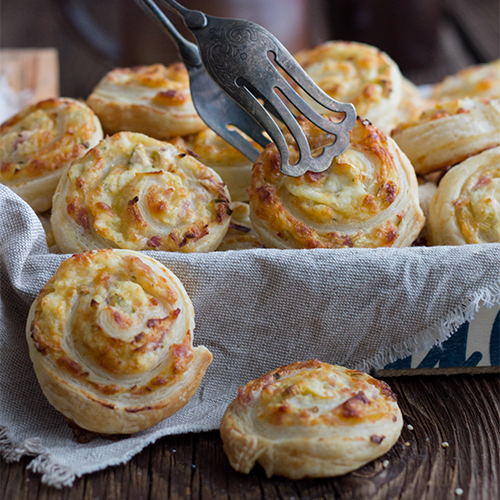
(461, 410)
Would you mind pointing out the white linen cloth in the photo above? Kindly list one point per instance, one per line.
(255, 310)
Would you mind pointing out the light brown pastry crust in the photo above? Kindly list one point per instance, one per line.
(154, 100)
(449, 133)
(40, 141)
(357, 73)
(466, 206)
(481, 81)
(110, 338)
(368, 197)
(310, 419)
(132, 191)
(241, 234)
(412, 104)
(234, 168)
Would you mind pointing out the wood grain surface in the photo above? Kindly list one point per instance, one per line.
(461, 410)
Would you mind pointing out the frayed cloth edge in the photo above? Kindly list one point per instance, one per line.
(438, 333)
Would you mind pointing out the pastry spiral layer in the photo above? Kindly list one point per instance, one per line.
(41, 140)
(134, 192)
(234, 168)
(368, 197)
(481, 81)
(449, 133)
(466, 206)
(241, 234)
(310, 419)
(154, 100)
(356, 73)
(110, 337)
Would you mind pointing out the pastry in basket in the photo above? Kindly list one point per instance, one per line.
(154, 100)
(241, 234)
(110, 337)
(357, 73)
(132, 191)
(449, 133)
(38, 143)
(466, 206)
(234, 168)
(368, 197)
(412, 104)
(310, 419)
(480, 81)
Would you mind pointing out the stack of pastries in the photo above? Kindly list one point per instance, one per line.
(110, 335)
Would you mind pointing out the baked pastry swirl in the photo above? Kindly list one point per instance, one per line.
(154, 100)
(368, 197)
(449, 133)
(38, 143)
(241, 235)
(356, 73)
(466, 206)
(310, 419)
(234, 168)
(110, 338)
(481, 81)
(132, 191)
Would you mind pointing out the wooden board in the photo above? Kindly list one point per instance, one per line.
(33, 70)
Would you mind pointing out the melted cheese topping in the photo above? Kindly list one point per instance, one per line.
(481, 81)
(361, 200)
(139, 193)
(114, 323)
(45, 137)
(313, 393)
(356, 73)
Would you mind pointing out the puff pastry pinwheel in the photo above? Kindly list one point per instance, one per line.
(39, 142)
(310, 419)
(412, 104)
(241, 234)
(357, 73)
(110, 338)
(368, 197)
(481, 81)
(449, 133)
(134, 192)
(154, 100)
(466, 206)
(234, 168)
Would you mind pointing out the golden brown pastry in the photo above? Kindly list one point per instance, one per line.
(449, 133)
(234, 168)
(310, 419)
(412, 104)
(132, 191)
(110, 338)
(357, 73)
(39, 142)
(466, 206)
(481, 81)
(368, 197)
(154, 100)
(241, 234)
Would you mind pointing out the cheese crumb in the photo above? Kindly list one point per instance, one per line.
(410, 427)
(459, 491)
(445, 444)
(385, 464)
(407, 443)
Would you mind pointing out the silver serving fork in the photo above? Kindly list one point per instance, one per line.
(236, 55)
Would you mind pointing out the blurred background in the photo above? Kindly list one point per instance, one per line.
(429, 39)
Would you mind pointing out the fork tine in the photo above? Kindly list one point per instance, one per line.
(304, 81)
(320, 121)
